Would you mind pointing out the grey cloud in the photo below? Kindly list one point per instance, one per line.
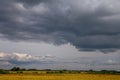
(31, 3)
(86, 24)
(16, 58)
(23, 58)
(8, 60)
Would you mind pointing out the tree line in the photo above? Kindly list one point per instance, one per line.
(49, 71)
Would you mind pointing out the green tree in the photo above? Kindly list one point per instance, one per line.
(15, 69)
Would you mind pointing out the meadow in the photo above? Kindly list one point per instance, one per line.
(22, 74)
(59, 77)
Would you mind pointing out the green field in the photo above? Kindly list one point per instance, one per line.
(59, 77)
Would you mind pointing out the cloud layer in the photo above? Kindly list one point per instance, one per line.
(19, 59)
(87, 24)
(103, 61)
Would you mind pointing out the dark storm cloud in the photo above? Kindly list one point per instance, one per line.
(87, 24)
(30, 2)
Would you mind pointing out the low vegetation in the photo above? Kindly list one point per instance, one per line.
(17, 73)
(17, 70)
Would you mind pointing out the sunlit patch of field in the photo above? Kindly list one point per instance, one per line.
(59, 77)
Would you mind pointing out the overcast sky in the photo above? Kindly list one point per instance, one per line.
(60, 34)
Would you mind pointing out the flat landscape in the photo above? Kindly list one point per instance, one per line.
(59, 39)
(59, 77)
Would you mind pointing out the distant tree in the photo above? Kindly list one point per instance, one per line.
(23, 69)
(47, 69)
(61, 71)
(32, 69)
(91, 70)
(15, 69)
(3, 71)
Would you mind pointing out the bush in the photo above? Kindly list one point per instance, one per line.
(3, 71)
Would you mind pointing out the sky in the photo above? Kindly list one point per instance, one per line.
(60, 34)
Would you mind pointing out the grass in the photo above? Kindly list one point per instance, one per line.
(59, 77)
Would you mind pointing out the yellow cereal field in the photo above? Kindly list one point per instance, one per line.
(59, 77)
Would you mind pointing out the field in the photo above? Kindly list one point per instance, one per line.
(59, 77)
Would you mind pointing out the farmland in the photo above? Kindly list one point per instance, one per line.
(59, 77)
(32, 74)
